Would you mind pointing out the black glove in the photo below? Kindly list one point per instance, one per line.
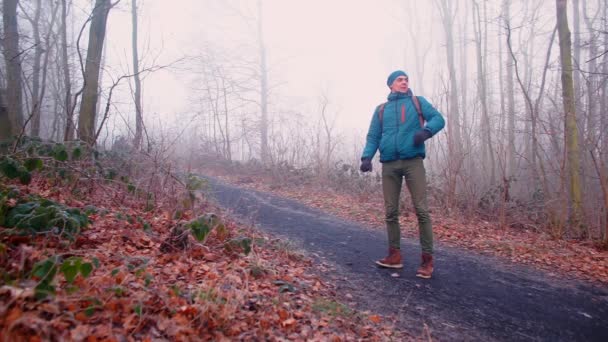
(366, 165)
(421, 136)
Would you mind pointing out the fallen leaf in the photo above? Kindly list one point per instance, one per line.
(12, 316)
(374, 318)
(283, 314)
(288, 322)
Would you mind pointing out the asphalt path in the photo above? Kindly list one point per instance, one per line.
(470, 297)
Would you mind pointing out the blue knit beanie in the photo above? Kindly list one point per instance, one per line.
(393, 76)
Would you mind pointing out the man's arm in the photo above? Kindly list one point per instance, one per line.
(434, 119)
(373, 137)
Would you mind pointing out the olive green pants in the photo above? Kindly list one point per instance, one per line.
(393, 174)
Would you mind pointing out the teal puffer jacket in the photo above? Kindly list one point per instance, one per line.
(394, 135)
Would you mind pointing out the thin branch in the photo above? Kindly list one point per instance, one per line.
(114, 85)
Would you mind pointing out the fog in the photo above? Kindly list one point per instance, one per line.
(294, 84)
(345, 49)
(341, 49)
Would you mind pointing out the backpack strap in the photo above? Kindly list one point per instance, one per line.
(416, 105)
(419, 110)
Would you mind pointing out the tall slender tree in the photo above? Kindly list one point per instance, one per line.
(5, 124)
(604, 97)
(571, 131)
(591, 79)
(139, 124)
(67, 83)
(447, 12)
(38, 51)
(97, 33)
(12, 60)
(487, 148)
(510, 85)
(576, 22)
(263, 87)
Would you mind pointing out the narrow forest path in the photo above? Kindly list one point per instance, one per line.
(470, 297)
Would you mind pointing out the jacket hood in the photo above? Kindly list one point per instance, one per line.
(396, 96)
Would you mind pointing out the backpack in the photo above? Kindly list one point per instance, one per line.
(416, 104)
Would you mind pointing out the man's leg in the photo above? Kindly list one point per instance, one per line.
(415, 179)
(391, 188)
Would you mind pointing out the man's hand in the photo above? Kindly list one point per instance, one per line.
(366, 165)
(421, 136)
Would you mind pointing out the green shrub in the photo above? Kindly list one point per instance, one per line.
(39, 215)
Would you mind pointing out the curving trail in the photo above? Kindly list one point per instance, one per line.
(470, 297)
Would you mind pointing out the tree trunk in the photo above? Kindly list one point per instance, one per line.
(88, 106)
(577, 53)
(591, 82)
(464, 80)
(501, 89)
(604, 98)
(464, 86)
(263, 88)
(454, 130)
(571, 131)
(139, 124)
(533, 119)
(12, 60)
(329, 141)
(36, 100)
(45, 65)
(486, 129)
(602, 174)
(5, 124)
(40, 68)
(67, 84)
(227, 145)
(511, 147)
(526, 71)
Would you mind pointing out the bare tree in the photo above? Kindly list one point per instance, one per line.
(5, 124)
(486, 127)
(263, 87)
(571, 131)
(97, 32)
(602, 173)
(41, 61)
(576, 23)
(604, 97)
(38, 51)
(139, 124)
(591, 79)
(327, 143)
(12, 59)
(510, 100)
(67, 84)
(467, 130)
(447, 12)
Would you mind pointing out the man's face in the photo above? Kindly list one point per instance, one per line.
(400, 84)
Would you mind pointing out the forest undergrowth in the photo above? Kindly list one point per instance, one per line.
(94, 247)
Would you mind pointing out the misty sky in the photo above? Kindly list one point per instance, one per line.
(346, 48)
(343, 48)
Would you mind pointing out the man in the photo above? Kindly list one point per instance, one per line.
(398, 131)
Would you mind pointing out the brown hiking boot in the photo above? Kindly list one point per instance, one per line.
(426, 269)
(393, 260)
